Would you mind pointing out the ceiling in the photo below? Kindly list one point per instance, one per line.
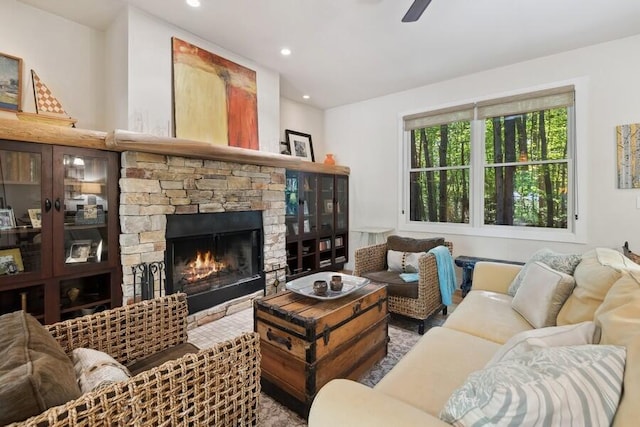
(346, 51)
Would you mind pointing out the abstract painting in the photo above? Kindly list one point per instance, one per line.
(628, 142)
(214, 99)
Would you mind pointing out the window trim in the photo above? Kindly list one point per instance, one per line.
(577, 155)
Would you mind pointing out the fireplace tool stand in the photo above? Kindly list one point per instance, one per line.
(147, 275)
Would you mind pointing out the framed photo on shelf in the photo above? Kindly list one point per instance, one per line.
(79, 251)
(284, 148)
(35, 215)
(10, 261)
(300, 145)
(11, 89)
(328, 206)
(7, 220)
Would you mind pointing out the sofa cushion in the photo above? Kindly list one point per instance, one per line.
(438, 364)
(408, 244)
(565, 263)
(404, 262)
(35, 373)
(619, 313)
(628, 412)
(482, 308)
(96, 369)
(395, 285)
(574, 385)
(553, 336)
(596, 273)
(542, 292)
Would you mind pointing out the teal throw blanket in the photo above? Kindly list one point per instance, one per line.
(446, 273)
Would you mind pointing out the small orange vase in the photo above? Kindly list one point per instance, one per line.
(329, 160)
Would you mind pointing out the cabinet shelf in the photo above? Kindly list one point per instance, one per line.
(69, 226)
(19, 183)
(76, 307)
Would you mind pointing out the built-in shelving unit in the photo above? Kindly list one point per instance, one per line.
(317, 222)
(58, 230)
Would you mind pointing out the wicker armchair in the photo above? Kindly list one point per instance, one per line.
(428, 301)
(214, 386)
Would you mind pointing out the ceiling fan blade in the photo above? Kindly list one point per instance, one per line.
(415, 11)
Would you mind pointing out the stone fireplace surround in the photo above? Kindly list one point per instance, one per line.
(154, 185)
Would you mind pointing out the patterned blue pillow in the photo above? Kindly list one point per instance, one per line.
(565, 263)
(555, 386)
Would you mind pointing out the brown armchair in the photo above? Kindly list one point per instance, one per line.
(416, 300)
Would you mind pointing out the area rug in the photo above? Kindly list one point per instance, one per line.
(272, 414)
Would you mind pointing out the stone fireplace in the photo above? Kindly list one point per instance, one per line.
(156, 190)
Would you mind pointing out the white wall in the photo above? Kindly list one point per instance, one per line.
(150, 81)
(68, 57)
(306, 119)
(117, 72)
(365, 136)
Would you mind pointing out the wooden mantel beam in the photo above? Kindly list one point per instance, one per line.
(17, 130)
(121, 140)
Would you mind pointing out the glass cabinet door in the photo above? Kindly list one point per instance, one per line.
(308, 204)
(342, 203)
(326, 204)
(21, 189)
(300, 203)
(291, 203)
(84, 207)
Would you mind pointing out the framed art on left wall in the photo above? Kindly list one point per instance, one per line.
(10, 83)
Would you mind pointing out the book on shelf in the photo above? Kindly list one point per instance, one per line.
(341, 259)
(325, 263)
(325, 244)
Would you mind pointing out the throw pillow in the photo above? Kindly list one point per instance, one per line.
(404, 262)
(35, 373)
(541, 295)
(577, 385)
(553, 336)
(408, 244)
(618, 313)
(95, 369)
(596, 273)
(565, 263)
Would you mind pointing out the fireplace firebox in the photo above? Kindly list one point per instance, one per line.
(214, 257)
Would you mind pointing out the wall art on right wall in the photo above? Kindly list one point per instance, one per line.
(628, 143)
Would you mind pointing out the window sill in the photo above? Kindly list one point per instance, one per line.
(505, 232)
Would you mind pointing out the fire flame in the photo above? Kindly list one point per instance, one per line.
(203, 266)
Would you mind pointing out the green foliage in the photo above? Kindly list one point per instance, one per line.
(526, 177)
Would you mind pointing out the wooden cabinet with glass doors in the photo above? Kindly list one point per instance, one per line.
(317, 222)
(58, 230)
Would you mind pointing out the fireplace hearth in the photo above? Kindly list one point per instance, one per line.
(214, 257)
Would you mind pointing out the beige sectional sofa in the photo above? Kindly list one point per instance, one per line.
(417, 389)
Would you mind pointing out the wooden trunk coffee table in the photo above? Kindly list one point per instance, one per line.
(306, 342)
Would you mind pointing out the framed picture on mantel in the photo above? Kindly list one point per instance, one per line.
(300, 145)
(10, 82)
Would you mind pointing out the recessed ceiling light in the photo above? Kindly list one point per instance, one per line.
(306, 96)
(285, 51)
(193, 3)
